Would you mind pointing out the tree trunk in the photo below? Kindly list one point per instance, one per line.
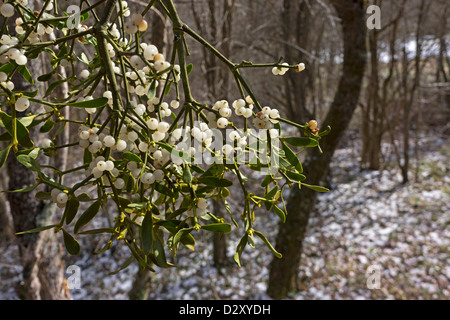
(6, 227)
(40, 253)
(141, 285)
(372, 116)
(283, 272)
(219, 240)
(409, 93)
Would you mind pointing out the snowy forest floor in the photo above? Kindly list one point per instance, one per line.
(368, 218)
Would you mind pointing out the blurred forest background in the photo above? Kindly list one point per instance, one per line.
(385, 93)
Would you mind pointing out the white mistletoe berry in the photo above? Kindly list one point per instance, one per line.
(46, 143)
(143, 146)
(84, 135)
(163, 127)
(22, 60)
(202, 204)
(22, 104)
(109, 165)
(119, 183)
(62, 198)
(121, 145)
(13, 53)
(150, 52)
(159, 175)
(222, 122)
(274, 114)
(101, 165)
(227, 149)
(152, 123)
(84, 74)
(175, 104)
(300, 67)
(225, 112)
(7, 10)
(148, 178)
(109, 141)
(158, 136)
(132, 136)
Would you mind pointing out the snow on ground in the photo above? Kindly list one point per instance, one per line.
(368, 221)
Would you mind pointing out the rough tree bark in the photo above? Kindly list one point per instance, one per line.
(284, 272)
(6, 227)
(40, 253)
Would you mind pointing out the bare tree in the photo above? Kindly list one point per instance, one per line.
(40, 253)
(373, 123)
(283, 272)
(409, 82)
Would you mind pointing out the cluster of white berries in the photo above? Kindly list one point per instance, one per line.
(265, 134)
(7, 10)
(115, 32)
(18, 56)
(243, 107)
(164, 107)
(266, 118)
(160, 128)
(160, 156)
(126, 10)
(284, 67)
(4, 81)
(279, 71)
(40, 30)
(59, 197)
(8, 52)
(99, 166)
(95, 142)
(219, 120)
(202, 133)
(87, 98)
(147, 178)
(137, 23)
(128, 140)
(238, 140)
(159, 62)
(150, 68)
(200, 208)
(140, 80)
